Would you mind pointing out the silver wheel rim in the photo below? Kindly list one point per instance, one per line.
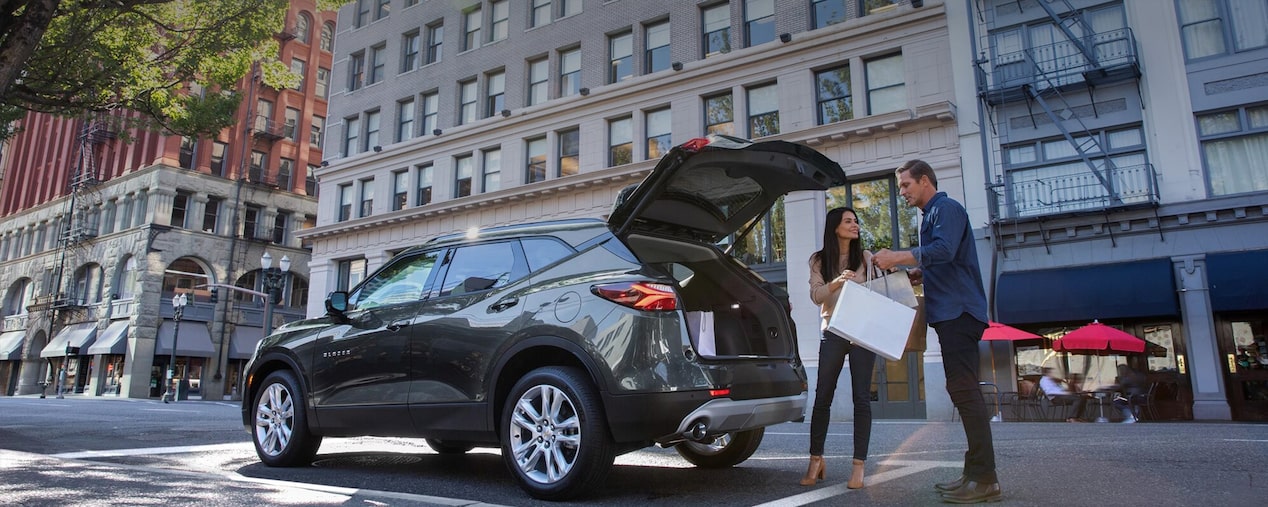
(545, 434)
(274, 419)
(716, 446)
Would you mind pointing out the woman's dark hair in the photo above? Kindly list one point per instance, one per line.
(831, 251)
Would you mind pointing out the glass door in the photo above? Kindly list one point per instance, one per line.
(898, 387)
(1244, 345)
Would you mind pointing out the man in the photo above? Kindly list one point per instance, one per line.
(955, 306)
(1059, 395)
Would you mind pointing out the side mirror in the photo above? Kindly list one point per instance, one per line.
(337, 303)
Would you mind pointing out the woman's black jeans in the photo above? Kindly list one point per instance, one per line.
(832, 352)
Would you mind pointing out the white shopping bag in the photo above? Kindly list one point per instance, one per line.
(872, 321)
(700, 326)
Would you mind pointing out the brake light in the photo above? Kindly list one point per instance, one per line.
(695, 145)
(718, 393)
(639, 295)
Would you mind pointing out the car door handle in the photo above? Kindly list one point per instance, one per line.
(504, 304)
(396, 326)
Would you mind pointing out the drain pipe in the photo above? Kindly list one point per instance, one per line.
(993, 208)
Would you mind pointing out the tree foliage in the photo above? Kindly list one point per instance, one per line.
(83, 57)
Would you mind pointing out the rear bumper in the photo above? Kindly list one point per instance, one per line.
(666, 418)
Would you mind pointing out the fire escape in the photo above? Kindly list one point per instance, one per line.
(79, 225)
(1045, 77)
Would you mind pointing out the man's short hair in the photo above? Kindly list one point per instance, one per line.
(918, 168)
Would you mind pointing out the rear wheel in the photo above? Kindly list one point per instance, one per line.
(725, 451)
(281, 434)
(449, 446)
(555, 438)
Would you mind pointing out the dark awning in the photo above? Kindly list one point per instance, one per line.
(1087, 293)
(244, 341)
(1238, 281)
(194, 340)
(75, 335)
(114, 340)
(11, 345)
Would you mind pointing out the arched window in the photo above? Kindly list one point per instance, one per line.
(185, 276)
(88, 283)
(299, 292)
(125, 281)
(303, 25)
(328, 37)
(19, 297)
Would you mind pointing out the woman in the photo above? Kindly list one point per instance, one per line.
(842, 258)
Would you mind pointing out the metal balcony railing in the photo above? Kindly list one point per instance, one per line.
(1050, 191)
(1061, 63)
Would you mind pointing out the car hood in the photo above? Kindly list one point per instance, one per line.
(709, 188)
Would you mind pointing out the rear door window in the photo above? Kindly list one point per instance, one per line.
(477, 268)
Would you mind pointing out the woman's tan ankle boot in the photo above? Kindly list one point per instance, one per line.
(816, 472)
(856, 475)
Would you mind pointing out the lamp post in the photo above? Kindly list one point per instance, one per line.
(179, 302)
(274, 280)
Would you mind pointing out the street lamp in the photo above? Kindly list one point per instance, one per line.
(274, 280)
(179, 302)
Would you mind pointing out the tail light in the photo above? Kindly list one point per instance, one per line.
(639, 295)
(695, 144)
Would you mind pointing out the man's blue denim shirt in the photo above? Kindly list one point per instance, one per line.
(948, 259)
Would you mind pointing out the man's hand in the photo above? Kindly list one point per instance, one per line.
(886, 259)
(916, 276)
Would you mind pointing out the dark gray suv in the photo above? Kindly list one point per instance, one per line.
(563, 343)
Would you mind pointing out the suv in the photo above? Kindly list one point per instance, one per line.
(564, 343)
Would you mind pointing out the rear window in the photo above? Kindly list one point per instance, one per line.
(713, 190)
(542, 252)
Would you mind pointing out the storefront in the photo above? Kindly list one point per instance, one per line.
(241, 348)
(193, 350)
(110, 350)
(10, 360)
(1239, 299)
(67, 353)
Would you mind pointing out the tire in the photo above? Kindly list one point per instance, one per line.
(725, 451)
(281, 435)
(449, 446)
(555, 438)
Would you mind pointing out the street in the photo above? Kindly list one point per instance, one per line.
(82, 451)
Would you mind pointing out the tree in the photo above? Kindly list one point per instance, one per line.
(82, 57)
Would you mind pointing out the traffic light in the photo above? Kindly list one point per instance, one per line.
(215, 296)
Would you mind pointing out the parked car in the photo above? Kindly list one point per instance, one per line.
(563, 343)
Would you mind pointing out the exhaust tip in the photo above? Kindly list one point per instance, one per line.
(698, 431)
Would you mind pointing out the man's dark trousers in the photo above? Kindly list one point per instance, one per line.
(959, 338)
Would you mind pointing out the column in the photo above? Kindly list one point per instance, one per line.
(1210, 401)
(197, 208)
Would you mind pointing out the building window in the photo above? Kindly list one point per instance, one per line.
(884, 217)
(314, 131)
(362, 15)
(468, 108)
(569, 8)
(719, 114)
(310, 181)
(382, 8)
(258, 167)
(462, 175)
(656, 56)
(620, 141)
(356, 71)
(492, 171)
(717, 29)
(351, 272)
(264, 116)
(423, 194)
(409, 51)
(759, 21)
(211, 214)
(538, 81)
(1210, 27)
(400, 189)
(345, 202)
(187, 152)
(569, 151)
(431, 106)
(621, 64)
(303, 25)
(763, 111)
(367, 197)
(1050, 176)
(569, 72)
(299, 68)
(351, 136)
(377, 57)
(279, 227)
(885, 89)
(535, 150)
(435, 36)
(371, 130)
(495, 99)
(180, 208)
(501, 20)
(251, 222)
(1235, 149)
(285, 173)
(218, 150)
(291, 123)
(832, 93)
(659, 139)
(828, 12)
(323, 83)
(869, 7)
(540, 14)
(328, 37)
(472, 20)
(405, 120)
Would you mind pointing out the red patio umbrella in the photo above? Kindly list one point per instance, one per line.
(1097, 337)
(1003, 332)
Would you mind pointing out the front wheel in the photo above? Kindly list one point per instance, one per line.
(555, 438)
(725, 451)
(281, 433)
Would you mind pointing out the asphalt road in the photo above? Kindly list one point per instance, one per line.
(89, 451)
